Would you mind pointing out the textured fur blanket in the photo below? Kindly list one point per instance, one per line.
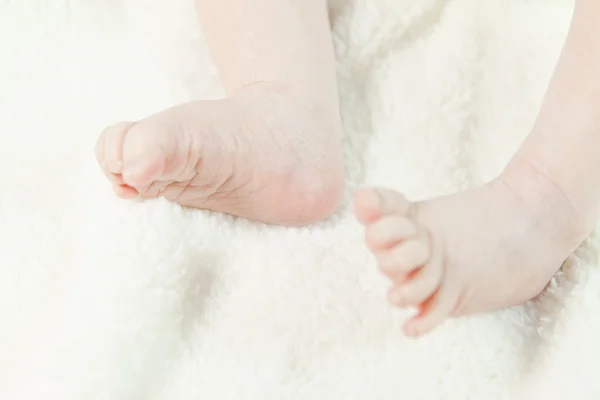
(102, 298)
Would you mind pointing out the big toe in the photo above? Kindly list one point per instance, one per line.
(109, 148)
(147, 148)
(371, 204)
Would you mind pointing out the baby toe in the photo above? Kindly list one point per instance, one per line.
(434, 311)
(99, 149)
(389, 231)
(113, 138)
(392, 202)
(146, 149)
(366, 205)
(420, 285)
(372, 204)
(125, 191)
(100, 155)
(116, 179)
(402, 259)
(416, 290)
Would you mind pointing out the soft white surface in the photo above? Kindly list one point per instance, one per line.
(108, 299)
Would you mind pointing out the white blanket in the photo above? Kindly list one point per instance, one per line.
(102, 298)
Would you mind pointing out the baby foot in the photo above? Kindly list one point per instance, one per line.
(476, 251)
(260, 155)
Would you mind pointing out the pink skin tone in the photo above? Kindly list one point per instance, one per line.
(271, 151)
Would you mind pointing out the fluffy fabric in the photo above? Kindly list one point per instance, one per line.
(102, 298)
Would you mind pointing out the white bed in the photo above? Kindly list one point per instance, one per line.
(102, 298)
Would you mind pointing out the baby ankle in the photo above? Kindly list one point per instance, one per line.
(546, 201)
